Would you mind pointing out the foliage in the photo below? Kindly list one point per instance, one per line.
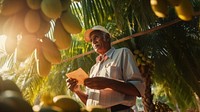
(174, 50)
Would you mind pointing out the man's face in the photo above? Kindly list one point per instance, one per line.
(99, 42)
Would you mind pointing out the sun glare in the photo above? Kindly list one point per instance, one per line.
(2, 45)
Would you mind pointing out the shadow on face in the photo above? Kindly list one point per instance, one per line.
(101, 41)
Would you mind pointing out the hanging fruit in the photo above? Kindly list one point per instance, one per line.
(32, 21)
(141, 59)
(10, 7)
(159, 7)
(50, 51)
(3, 19)
(62, 37)
(10, 44)
(43, 66)
(51, 8)
(70, 22)
(185, 10)
(65, 4)
(14, 25)
(43, 16)
(44, 28)
(26, 46)
(34, 4)
(136, 52)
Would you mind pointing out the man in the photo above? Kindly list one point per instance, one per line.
(115, 80)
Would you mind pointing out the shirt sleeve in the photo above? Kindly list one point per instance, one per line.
(131, 73)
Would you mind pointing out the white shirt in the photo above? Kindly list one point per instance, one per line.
(120, 65)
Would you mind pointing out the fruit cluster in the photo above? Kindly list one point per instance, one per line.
(141, 59)
(26, 24)
(183, 8)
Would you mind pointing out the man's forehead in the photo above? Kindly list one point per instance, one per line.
(96, 32)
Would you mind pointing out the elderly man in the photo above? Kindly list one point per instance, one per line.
(115, 80)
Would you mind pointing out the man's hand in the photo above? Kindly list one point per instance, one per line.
(117, 85)
(72, 85)
(97, 82)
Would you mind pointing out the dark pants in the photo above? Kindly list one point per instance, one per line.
(119, 107)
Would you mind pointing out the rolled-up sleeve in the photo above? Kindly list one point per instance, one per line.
(139, 85)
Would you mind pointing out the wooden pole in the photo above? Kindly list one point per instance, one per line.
(131, 36)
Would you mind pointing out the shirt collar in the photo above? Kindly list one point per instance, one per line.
(110, 52)
(107, 55)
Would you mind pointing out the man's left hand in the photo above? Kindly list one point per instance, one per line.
(97, 82)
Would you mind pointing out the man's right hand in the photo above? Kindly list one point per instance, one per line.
(72, 85)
